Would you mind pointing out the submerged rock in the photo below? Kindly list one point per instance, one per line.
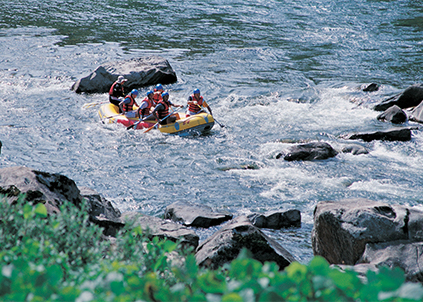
(371, 87)
(226, 244)
(403, 134)
(195, 215)
(411, 97)
(311, 151)
(139, 72)
(355, 149)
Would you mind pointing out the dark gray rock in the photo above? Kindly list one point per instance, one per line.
(417, 114)
(195, 215)
(371, 87)
(393, 114)
(0, 146)
(102, 212)
(342, 229)
(154, 226)
(403, 134)
(311, 151)
(39, 187)
(226, 244)
(276, 220)
(404, 254)
(355, 149)
(411, 97)
(139, 72)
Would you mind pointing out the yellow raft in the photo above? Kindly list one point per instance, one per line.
(185, 125)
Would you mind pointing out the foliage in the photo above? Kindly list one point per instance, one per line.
(63, 258)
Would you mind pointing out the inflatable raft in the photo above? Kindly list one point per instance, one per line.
(109, 114)
(184, 125)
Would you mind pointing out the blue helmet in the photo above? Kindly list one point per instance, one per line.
(150, 92)
(159, 87)
(134, 92)
(196, 91)
(165, 94)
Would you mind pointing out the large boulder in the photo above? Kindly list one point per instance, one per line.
(162, 228)
(417, 114)
(311, 151)
(276, 220)
(39, 187)
(342, 229)
(393, 114)
(411, 97)
(102, 212)
(139, 72)
(403, 134)
(226, 244)
(195, 215)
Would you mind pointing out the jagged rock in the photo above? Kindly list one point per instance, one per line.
(195, 215)
(371, 87)
(403, 134)
(355, 149)
(342, 229)
(154, 226)
(102, 212)
(225, 245)
(404, 254)
(276, 220)
(39, 187)
(411, 97)
(393, 114)
(311, 151)
(0, 146)
(139, 72)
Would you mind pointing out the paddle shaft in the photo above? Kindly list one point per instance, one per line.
(221, 125)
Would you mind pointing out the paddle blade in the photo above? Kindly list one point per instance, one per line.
(149, 129)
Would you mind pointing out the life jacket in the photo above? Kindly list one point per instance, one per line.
(157, 96)
(146, 110)
(163, 113)
(193, 107)
(116, 90)
(130, 106)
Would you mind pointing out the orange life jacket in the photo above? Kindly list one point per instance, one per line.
(157, 96)
(146, 110)
(163, 113)
(130, 106)
(193, 107)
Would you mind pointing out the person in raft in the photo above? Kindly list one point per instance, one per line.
(146, 106)
(196, 103)
(158, 91)
(127, 105)
(116, 91)
(162, 110)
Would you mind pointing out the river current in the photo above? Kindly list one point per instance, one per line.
(275, 73)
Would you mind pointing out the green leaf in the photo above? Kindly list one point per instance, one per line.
(41, 210)
(27, 211)
(232, 297)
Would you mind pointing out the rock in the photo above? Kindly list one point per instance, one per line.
(311, 151)
(417, 114)
(403, 134)
(411, 97)
(393, 114)
(195, 215)
(404, 254)
(0, 146)
(355, 149)
(342, 229)
(371, 87)
(102, 212)
(139, 72)
(162, 228)
(276, 220)
(225, 245)
(39, 187)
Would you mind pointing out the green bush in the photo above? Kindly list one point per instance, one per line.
(63, 258)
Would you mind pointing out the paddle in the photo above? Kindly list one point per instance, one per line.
(134, 125)
(89, 105)
(161, 121)
(221, 125)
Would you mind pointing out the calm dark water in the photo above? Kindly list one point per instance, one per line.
(274, 72)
